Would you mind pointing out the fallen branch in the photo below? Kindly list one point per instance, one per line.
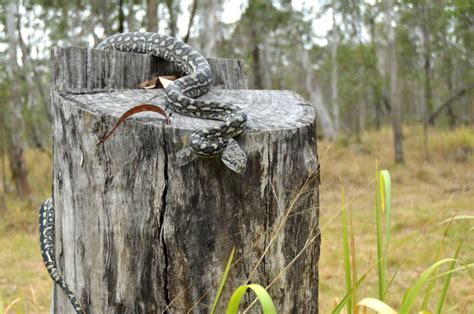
(460, 93)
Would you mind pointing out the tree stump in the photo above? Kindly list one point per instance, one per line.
(135, 233)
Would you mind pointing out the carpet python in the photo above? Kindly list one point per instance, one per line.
(180, 97)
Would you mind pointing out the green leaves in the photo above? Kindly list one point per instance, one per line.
(346, 252)
(223, 280)
(382, 207)
(414, 291)
(260, 292)
(233, 306)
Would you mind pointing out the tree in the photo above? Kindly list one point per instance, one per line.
(315, 95)
(334, 68)
(392, 70)
(173, 11)
(211, 27)
(152, 15)
(16, 144)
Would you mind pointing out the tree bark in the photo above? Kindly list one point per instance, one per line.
(121, 17)
(152, 15)
(394, 99)
(137, 233)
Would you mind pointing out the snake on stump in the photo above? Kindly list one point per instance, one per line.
(180, 97)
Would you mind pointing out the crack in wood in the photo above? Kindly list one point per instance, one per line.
(162, 219)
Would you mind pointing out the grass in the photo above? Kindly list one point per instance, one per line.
(423, 191)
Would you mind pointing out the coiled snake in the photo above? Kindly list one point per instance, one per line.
(179, 96)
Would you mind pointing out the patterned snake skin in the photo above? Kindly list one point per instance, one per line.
(179, 96)
(46, 229)
(180, 93)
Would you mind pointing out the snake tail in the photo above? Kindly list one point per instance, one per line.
(47, 237)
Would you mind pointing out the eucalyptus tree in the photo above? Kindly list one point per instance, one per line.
(16, 123)
(393, 79)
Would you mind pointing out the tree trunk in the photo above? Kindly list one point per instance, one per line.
(137, 233)
(16, 127)
(173, 7)
(131, 20)
(152, 15)
(449, 79)
(191, 21)
(209, 14)
(375, 86)
(394, 99)
(121, 17)
(334, 70)
(29, 74)
(315, 95)
(104, 8)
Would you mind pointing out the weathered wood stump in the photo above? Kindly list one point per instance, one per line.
(135, 233)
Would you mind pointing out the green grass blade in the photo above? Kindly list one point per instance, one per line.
(429, 290)
(260, 292)
(346, 250)
(380, 240)
(412, 293)
(348, 295)
(353, 262)
(466, 267)
(444, 290)
(386, 200)
(223, 280)
(386, 187)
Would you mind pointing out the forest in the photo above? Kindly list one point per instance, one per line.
(389, 80)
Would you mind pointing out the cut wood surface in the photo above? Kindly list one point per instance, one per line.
(136, 233)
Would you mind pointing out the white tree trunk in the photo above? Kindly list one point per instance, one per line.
(210, 16)
(315, 95)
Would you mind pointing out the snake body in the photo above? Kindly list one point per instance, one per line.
(180, 94)
(180, 97)
(47, 236)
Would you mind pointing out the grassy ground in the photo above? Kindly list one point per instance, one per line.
(428, 188)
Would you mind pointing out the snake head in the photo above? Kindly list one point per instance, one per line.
(234, 157)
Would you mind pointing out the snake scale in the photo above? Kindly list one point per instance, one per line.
(180, 97)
